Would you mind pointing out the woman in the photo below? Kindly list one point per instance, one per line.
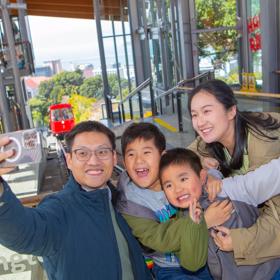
(238, 141)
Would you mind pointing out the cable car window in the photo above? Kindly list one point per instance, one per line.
(55, 115)
(67, 114)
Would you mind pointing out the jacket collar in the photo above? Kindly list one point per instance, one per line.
(73, 186)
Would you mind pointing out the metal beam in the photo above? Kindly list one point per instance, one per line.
(106, 87)
(11, 44)
(4, 108)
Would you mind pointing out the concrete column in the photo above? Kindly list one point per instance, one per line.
(186, 39)
(270, 51)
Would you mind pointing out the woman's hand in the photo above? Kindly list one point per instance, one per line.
(4, 155)
(222, 238)
(217, 213)
(213, 187)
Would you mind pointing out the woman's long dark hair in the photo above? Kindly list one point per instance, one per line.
(258, 123)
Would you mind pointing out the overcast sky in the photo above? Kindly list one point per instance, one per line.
(73, 41)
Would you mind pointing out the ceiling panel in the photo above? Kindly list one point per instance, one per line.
(73, 8)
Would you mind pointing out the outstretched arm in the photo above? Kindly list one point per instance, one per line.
(256, 186)
(22, 229)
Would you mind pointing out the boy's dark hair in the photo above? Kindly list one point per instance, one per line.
(180, 156)
(142, 130)
(89, 126)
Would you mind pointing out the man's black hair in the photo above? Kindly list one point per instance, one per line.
(89, 126)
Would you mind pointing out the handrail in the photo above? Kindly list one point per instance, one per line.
(199, 76)
(140, 87)
(171, 89)
(181, 83)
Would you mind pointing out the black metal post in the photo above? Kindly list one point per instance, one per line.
(153, 104)
(179, 111)
(140, 104)
(106, 87)
(130, 109)
(123, 112)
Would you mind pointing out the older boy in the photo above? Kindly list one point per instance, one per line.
(182, 178)
(77, 231)
(142, 197)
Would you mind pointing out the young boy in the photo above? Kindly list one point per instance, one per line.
(182, 177)
(142, 202)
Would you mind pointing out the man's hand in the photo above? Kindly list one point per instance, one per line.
(4, 155)
(213, 187)
(195, 211)
(222, 238)
(217, 213)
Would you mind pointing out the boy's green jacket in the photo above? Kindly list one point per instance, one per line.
(186, 239)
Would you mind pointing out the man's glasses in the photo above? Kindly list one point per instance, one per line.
(84, 154)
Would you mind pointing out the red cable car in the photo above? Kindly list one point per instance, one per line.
(61, 119)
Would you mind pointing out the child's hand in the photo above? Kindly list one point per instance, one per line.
(208, 163)
(217, 213)
(195, 211)
(213, 187)
(222, 238)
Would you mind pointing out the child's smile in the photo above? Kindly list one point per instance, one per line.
(142, 172)
(181, 184)
(141, 160)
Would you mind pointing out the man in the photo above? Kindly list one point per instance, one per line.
(77, 230)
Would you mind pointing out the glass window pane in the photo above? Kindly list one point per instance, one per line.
(130, 60)
(146, 102)
(151, 12)
(126, 111)
(135, 107)
(106, 26)
(156, 63)
(218, 51)
(127, 27)
(109, 53)
(254, 6)
(254, 35)
(215, 13)
(118, 28)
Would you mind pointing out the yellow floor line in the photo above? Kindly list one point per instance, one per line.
(165, 125)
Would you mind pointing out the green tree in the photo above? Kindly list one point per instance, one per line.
(68, 82)
(64, 83)
(114, 84)
(39, 109)
(92, 87)
(212, 14)
(82, 107)
(45, 88)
